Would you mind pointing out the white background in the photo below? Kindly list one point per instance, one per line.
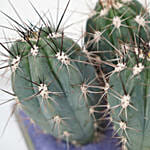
(77, 13)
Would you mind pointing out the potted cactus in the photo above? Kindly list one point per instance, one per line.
(95, 97)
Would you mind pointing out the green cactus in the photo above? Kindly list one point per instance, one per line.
(56, 85)
(128, 98)
(118, 32)
(113, 22)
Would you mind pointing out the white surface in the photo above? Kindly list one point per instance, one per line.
(12, 139)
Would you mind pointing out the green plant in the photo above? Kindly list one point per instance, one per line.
(57, 87)
(128, 98)
(118, 32)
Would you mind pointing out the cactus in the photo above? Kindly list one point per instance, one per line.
(113, 22)
(128, 97)
(118, 32)
(52, 89)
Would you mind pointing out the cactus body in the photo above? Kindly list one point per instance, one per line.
(52, 89)
(115, 22)
(129, 101)
(119, 31)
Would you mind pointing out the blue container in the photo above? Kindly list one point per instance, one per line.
(37, 140)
